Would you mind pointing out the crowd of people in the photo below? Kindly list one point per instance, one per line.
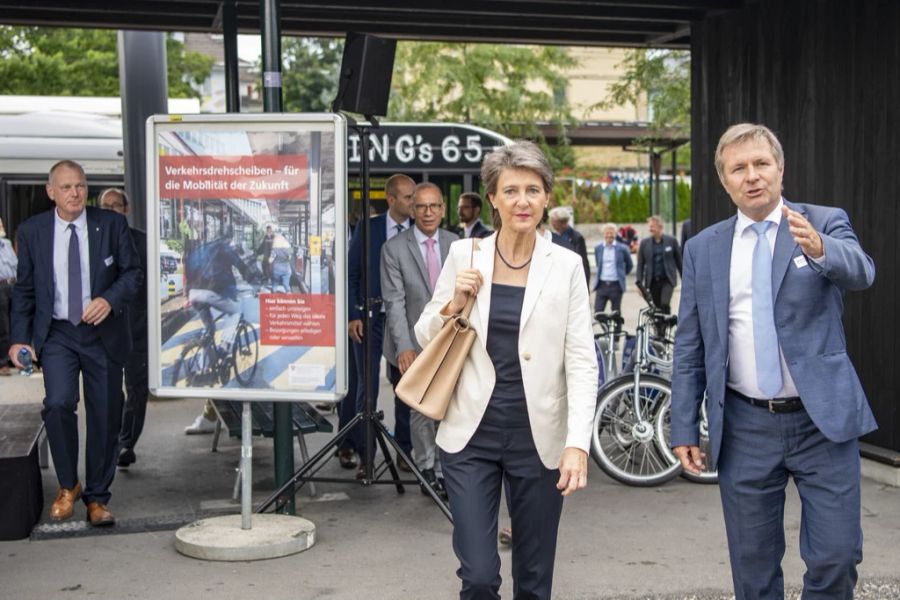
(759, 332)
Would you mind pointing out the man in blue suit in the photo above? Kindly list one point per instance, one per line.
(759, 328)
(78, 271)
(399, 190)
(613, 264)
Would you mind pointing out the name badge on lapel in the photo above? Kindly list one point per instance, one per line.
(668, 248)
(108, 261)
(800, 261)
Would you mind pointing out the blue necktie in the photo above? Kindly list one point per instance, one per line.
(765, 340)
(75, 306)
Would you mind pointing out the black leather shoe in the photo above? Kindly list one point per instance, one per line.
(428, 476)
(441, 489)
(347, 459)
(361, 472)
(402, 465)
(126, 457)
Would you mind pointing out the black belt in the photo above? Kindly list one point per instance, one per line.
(776, 405)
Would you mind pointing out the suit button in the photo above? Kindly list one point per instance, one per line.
(527, 356)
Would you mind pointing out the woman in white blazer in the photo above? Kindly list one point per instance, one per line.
(522, 409)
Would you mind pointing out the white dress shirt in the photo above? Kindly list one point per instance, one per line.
(421, 238)
(8, 260)
(61, 235)
(608, 271)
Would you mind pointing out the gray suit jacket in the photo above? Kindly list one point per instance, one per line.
(406, 289)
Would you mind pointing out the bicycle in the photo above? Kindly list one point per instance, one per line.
(607, 341)
(203, 362)
(625, 441)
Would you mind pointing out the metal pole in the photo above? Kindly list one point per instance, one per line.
(232, 80)
(674, 196)
(269, 19)
(271, 55)
(369, 453)
(246, 466)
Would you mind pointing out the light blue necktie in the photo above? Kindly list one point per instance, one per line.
(765, 340)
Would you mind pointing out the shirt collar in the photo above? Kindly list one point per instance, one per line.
(743, 221)
(421, 237)
(392, 224)
(80, 222)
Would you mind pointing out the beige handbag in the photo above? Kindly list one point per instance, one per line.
(428, 383)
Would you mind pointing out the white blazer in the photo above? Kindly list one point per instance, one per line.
(556, 349)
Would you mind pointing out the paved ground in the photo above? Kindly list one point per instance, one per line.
(615, 541)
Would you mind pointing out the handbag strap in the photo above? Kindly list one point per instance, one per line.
(467, 310)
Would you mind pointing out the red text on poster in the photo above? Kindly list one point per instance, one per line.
(296, 319)
(263, 177)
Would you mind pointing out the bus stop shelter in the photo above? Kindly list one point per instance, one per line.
(824, 75)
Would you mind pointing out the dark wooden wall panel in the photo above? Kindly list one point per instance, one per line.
(825, 76)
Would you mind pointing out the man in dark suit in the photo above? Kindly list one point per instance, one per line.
(78, 271)
(410, 265)
(559, 222)
(759, 329)
(399, 190)
(658, 264)
(468, 208)
(136, 391)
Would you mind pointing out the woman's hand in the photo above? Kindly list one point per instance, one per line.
(572, 471)
(468, 282)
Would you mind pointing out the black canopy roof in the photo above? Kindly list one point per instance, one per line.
(654, 23)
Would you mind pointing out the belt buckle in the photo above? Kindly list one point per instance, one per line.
(771, 404)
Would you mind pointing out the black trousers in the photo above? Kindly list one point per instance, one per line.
(136, 393)
(68, 352)
(608, 291)
(661, 292)
(474, 477)
(5, 295)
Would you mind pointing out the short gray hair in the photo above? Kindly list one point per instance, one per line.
(68, 164)
(606, 226)
(518, 155)
(117, 191)
(742, 132)
(558, 213)
(656, 218)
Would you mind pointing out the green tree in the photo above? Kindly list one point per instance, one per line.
(506, 88)
(311, 70)
(662, 78)
(45, 61)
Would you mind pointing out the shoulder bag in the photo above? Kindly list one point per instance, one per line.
(428, 383)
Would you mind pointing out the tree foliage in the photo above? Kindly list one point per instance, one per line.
(504, 88)
(311, 70)
(663, 78)
(52, 61)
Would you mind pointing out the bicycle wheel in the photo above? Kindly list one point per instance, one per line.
(664, 435)
(623, 444)
(245, 353)
(193, 365)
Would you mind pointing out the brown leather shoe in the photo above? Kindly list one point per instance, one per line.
(98, 515)
(64, 505)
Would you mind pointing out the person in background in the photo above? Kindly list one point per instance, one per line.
(398, 190)
(8, 264)
(77, 273)
(468, 208)
(559, 222)
(136, 391)
(410, 265)
(522, 409)
(658, 264)
(613, 264)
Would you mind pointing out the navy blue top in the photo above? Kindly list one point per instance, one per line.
(659, 260)
(506, 407)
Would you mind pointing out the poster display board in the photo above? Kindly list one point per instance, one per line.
(247, 258)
